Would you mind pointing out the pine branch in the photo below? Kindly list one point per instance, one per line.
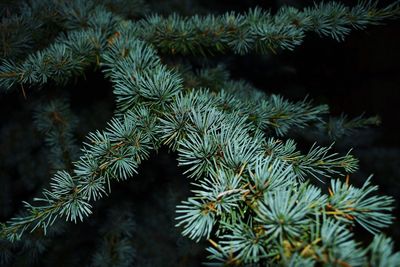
(348, 204)
(381, 252)
(250, 201)
(38, 22)
(111, 154)
(56, 122)
(339, 127)
(268, 112)
(259, 30)
(69, 56)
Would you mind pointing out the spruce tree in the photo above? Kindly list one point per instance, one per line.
(257, 199)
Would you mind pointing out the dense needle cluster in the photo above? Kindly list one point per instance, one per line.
(252, 199)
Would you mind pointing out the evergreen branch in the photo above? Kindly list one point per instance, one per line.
(244, 241)
(351, 204)
(281, 231)
(281, 115)
(205, 148)
(268, 112)
(318, 162)
(336, 245)
(256, 29)
(198, 218)
(56, 122)
(15, 35)
(259, 30)
(250, 195)
(59, 62)
(112, 154)
(201, 146)
(338, 127)
(214, 78)
(67, 57)
(39, 21)
(284, 213)
(109, 155)
(381, 252)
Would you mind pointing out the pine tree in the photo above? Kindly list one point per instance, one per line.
(255, 196)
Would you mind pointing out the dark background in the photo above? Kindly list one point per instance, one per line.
(360, 74)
